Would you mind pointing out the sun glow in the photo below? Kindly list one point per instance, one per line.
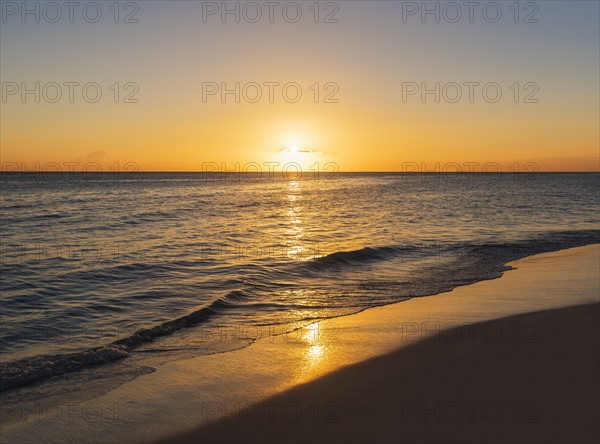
(298, 154)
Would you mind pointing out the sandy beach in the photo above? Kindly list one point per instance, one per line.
(523, 378)
(541, 387)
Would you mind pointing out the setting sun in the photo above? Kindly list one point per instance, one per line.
(297, 156)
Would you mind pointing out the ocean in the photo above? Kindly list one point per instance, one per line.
(100, 270)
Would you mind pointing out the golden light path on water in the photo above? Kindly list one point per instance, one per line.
(311, 334)
(295, 233)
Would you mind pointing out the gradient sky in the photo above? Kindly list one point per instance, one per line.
(369, 53)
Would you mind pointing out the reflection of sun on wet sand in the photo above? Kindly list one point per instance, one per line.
(546, 391)
(460, 377)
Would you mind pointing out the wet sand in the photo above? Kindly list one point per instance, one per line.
(479, 383)
(530, 377)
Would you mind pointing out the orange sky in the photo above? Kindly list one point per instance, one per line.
(356, 109)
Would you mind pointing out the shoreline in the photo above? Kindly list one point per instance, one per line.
(217, 424)
(69, 362)
(178, 397)
(438, 391)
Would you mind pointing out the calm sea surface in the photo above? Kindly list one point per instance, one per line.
(99, 268)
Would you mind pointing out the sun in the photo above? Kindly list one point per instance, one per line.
(295, 153)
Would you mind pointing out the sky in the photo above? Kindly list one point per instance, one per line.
(347, 85)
